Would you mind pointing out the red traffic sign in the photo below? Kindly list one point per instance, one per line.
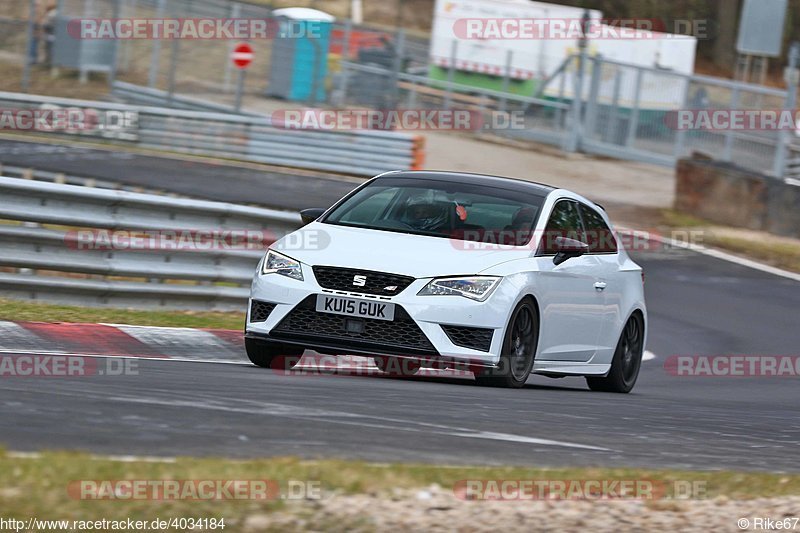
(242, 55)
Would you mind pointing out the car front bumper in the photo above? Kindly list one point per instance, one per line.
(427, 313)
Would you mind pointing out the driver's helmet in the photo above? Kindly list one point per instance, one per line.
(425, 214)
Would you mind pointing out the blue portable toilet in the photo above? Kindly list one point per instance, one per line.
(299, 62)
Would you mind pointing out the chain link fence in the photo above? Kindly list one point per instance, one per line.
(622, 110)
(14, 18)
(633, 111)
(201, 68)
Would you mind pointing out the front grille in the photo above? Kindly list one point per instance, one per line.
(377, 283)
(259, 311)
(475, 338)
(304, 321)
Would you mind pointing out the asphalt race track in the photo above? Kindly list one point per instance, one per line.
(698, 305)
(208, 181)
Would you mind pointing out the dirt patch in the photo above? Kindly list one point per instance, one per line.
(601, 180)
(64, 85)
(436, 509)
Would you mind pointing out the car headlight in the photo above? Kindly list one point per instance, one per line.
(275, 263)
(475, 287)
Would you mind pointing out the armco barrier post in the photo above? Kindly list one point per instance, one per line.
(340, 97)
(397, 66)
(637, 100)
(236, 10)
(730, 136)
(573, 138)
(451, 74)
(418, 158)
(792, 74)
(155, 58)
(31, 46)
(506, 81)
(112, 72)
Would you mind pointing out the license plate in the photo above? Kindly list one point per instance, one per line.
(339, 305)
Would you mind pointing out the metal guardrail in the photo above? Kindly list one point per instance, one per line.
(793, 163)
(59, 264)
(47, 176)
(247, 138)
(132, 94)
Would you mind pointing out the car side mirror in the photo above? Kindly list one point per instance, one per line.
(310, 215)
(567, 249)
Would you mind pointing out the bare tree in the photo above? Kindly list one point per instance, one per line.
(724, 49)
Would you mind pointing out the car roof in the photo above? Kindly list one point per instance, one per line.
(511, 184)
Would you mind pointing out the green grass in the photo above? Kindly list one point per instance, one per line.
(38, 486)
(676, 219)
(21, 311)
(777, 252)
(785, 256)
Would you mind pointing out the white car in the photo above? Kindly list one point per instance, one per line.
(500, 276)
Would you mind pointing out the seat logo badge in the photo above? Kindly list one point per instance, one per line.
(390, 288)
(359, 281)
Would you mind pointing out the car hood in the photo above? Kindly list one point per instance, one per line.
(398, 253)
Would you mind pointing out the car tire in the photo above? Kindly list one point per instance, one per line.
(627, 360)
(397, 366)
(275, 357)
(518, 351)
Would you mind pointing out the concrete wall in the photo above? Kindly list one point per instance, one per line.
(730, 195)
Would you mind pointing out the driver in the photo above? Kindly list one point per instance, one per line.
(425, 215)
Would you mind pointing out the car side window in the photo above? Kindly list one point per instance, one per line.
(599, 236)
(371, 208)
(565, 221)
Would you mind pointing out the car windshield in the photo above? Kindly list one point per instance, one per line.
(445, 209)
